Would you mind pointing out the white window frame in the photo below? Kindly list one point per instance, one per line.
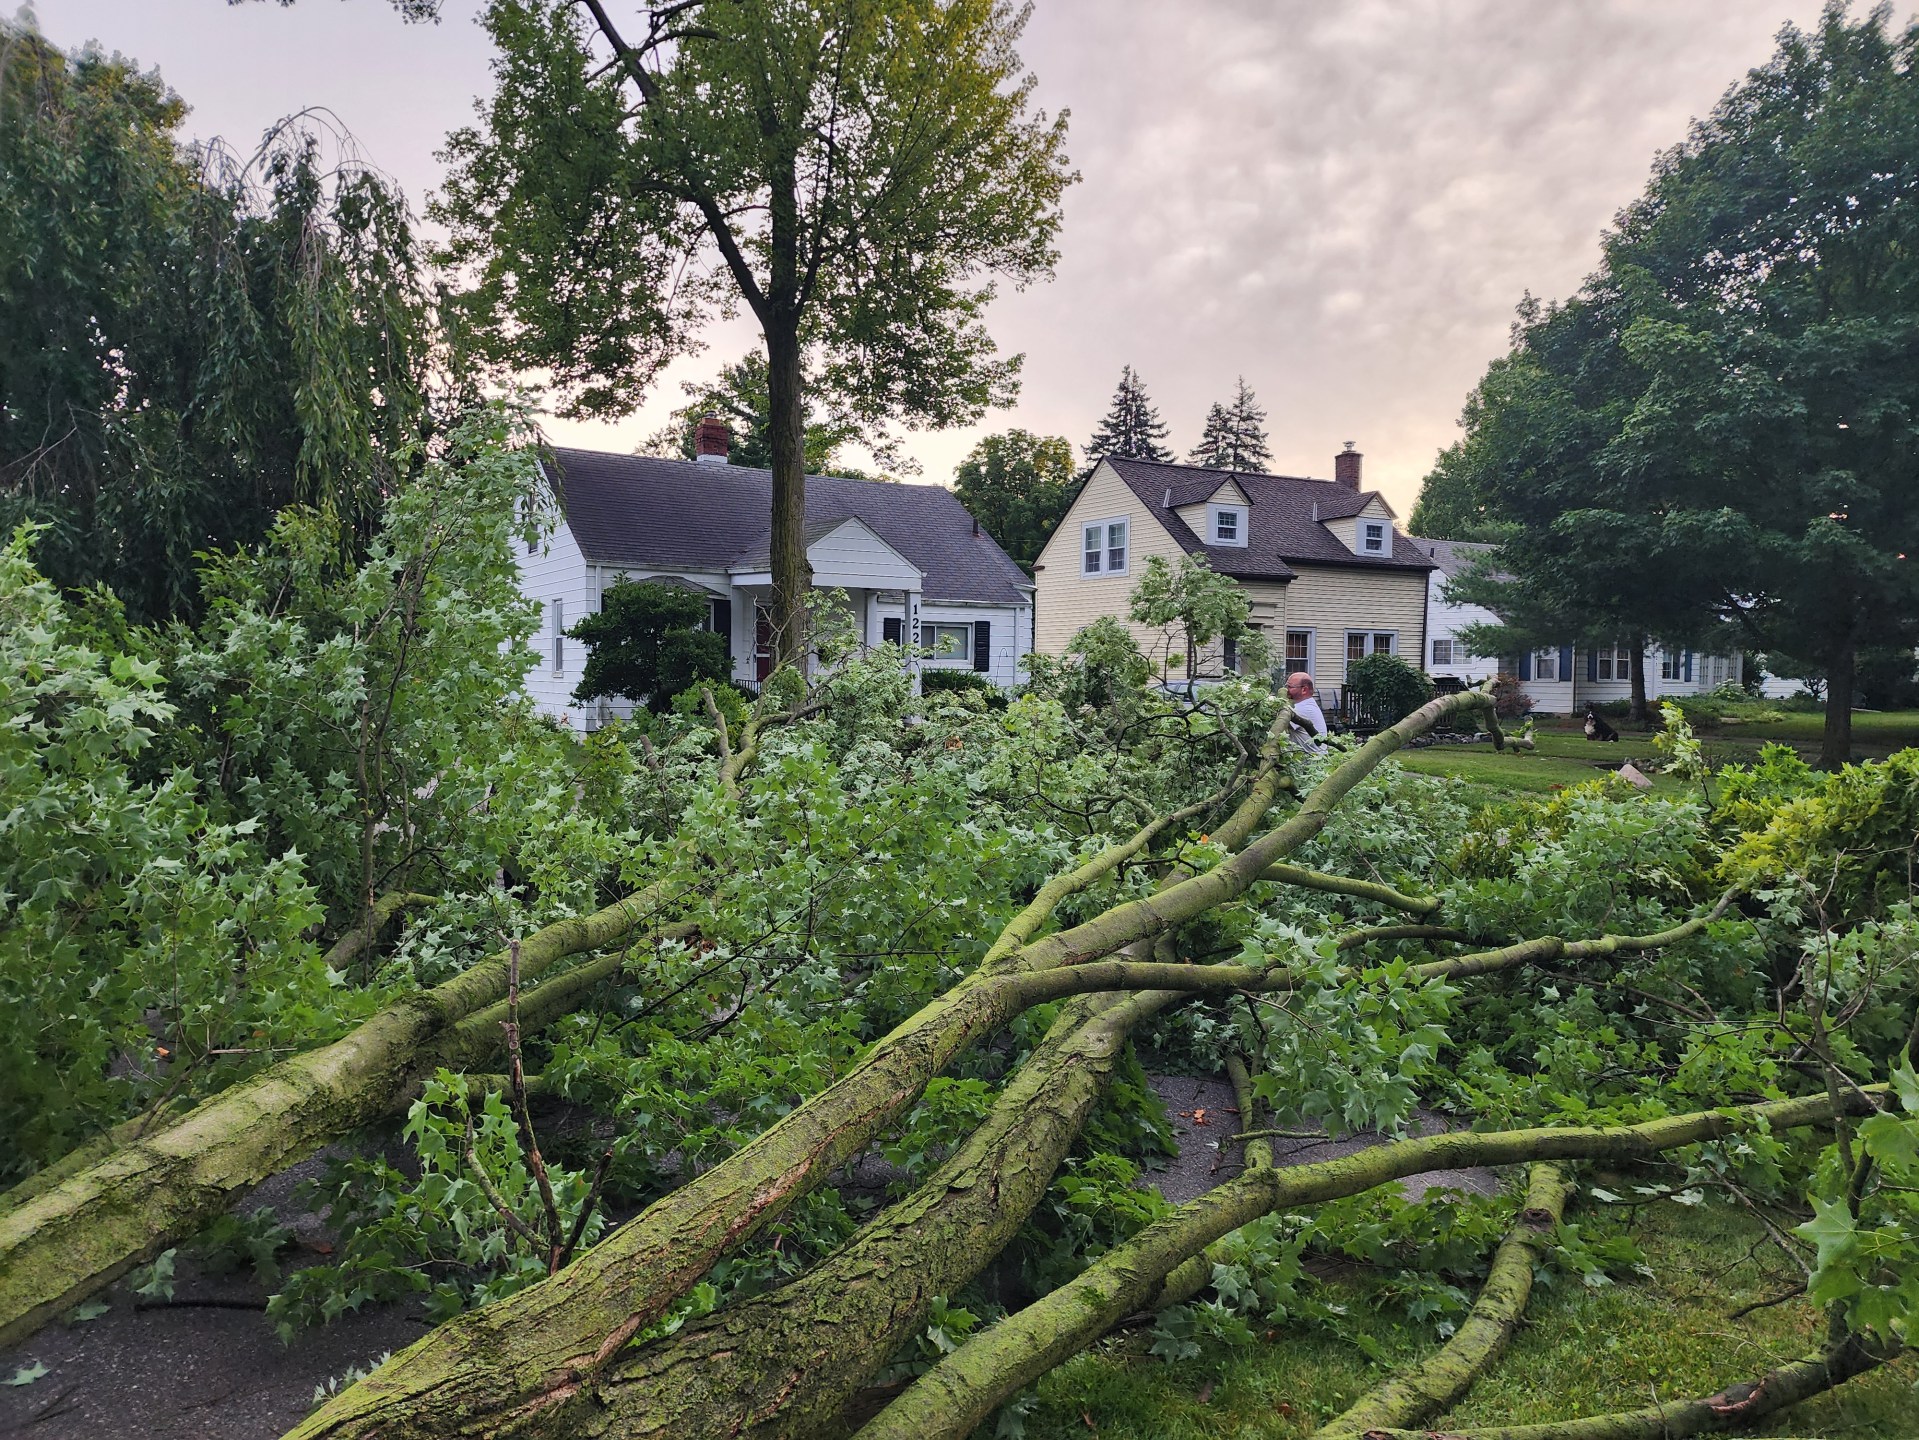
(1372, 648)
(1286, 654)
(559, 637)
(1385, 545)
(1670, 668)
(1216, 513)
(1103, 564)
(1451, 651)
(1544, 660)
(929, 640)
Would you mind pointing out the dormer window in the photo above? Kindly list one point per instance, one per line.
(1372, 537)
(1226, 524)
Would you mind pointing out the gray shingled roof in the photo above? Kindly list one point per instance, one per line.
(1453, 557)
(1281, 530)
(641, 511)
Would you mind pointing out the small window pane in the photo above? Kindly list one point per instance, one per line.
(1116, 546)
(1299, 650)
(1442, 652)
(1228, 528)
(1092, 550)
(1383, 643)
(1356, 645)
(948, 642)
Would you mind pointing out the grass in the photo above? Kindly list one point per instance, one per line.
(1566, 757)
(1581, 1352)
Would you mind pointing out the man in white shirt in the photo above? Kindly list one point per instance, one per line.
(1309, 721)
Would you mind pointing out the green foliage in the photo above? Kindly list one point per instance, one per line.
(904, 134)
(1234, 436)
(1102, 669)
(647, 642)
(372, 716)
(439, 1236)
(218, 340)
(1131, 428)
(1841, 840)
(1865, 1221)
(1389, 687)
(1192, 603)
(1019, 486)
(741, 395)
(146, 944)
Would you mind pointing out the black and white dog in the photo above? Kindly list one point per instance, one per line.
(1596, 726)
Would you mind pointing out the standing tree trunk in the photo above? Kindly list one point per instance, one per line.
(1842, 667)
(1641, 712)
(792, 575)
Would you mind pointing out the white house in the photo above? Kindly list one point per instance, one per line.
(914, 564)
(1562, 679)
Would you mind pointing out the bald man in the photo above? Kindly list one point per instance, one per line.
(1309, 721)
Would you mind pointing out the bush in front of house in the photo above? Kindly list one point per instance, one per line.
(947, 682)
(1388, 687)
(1510, 700)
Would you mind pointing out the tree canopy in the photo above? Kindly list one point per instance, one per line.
(1019, 486)
(740, 396)
(648, 642)
(860, 177)
(1718, 430)
(189, 343)
(1131, 428)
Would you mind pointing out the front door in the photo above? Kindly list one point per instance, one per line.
(762, 643)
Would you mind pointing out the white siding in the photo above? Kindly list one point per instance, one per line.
(1446, 621)
(1011, 633)
(558, 572)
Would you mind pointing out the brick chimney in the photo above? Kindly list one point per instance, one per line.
(1346, 467)
(711, 441)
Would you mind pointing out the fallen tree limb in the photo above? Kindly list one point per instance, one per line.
(1344, 885)
(506, 1367)
(1732, 1408)
(367, 929)
(1435, 1384)
(78, 1235)
(969, 1384)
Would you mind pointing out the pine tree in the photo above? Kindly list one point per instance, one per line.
(1247, 421)
(1132, 428)
(1215, 446)
(1235, 435)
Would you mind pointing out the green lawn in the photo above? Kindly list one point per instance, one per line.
(1580, 1352)
(1566, 757)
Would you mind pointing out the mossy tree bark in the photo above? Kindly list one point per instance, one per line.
(1434, 1385)
(967, 1386)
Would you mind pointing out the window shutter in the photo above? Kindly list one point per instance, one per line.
(1526, 666)
(1686, 673)
(982, 644)
(892, 630)
(1565, 662)
(723, 624)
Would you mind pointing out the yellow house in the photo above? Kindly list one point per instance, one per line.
(1329, 573)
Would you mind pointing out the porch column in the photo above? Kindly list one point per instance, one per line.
(912, 628)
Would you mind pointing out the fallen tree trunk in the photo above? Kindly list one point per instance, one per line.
(1435, 1384)
(1733, 1408)
(72, 1238)
(969, 1384)
(505, 1368)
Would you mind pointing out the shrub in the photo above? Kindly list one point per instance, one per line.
(947, 681)
(1509, 701)
(1388, 687)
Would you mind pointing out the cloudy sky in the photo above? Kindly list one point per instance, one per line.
(1341, 200)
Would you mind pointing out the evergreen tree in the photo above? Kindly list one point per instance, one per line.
(1247, 422)
(1132, 428)
(1235, 435)
(1215, 440)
